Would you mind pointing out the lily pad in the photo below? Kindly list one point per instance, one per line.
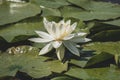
(101, 26)
(28, 61)
(113, 22)
(50, 3)
(107, 35)
(12, 12)
(90, 60)
(89, 10)
(50, 12)
(109, 47)
(94, 73)
(63, 78)
(21, 31)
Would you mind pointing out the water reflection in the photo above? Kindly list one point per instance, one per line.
(16, 1)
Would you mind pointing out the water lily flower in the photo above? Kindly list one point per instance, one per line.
(60, 36)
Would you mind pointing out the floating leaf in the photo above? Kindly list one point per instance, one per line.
(107, 35)
(50, 3)
(94, 73)
(114, 22)
(89, 10)
(63, 78)
(21, 31)
(50, 12)
(109, 47)
(12, 12)
(99, 27)
(29, 62)
(90, 60)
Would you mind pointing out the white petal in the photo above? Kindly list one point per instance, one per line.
(69, 37)
(73, 26)
(62, 26)
(81, 34)
(39, 40)
(62, 29)
(62, 22)
(54, 27)
(56, 44)
(46, 49)
(68, 22)
(42, 6)
(48, 26)
(60, 52)
(57, 33)
(87, 40)
(71, 47)
(44, 35)
(45, 20)
(57, 30)
(80, 40)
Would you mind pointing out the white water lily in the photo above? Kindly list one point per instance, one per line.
(60, 36)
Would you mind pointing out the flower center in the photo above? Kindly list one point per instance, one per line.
(61, 37)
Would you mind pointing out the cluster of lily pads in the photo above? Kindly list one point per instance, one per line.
(80, 37)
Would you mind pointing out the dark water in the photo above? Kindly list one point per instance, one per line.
(113, 1)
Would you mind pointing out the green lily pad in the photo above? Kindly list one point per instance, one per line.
(90, 60)
(109, 47)
(12, 12)
(101, 26)
(107, 35)
(63, 78)
(26, 59)
(50, 3)
(94, 73)
(21, 31)
(89, 10)
(50, 12)
(114, 22)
